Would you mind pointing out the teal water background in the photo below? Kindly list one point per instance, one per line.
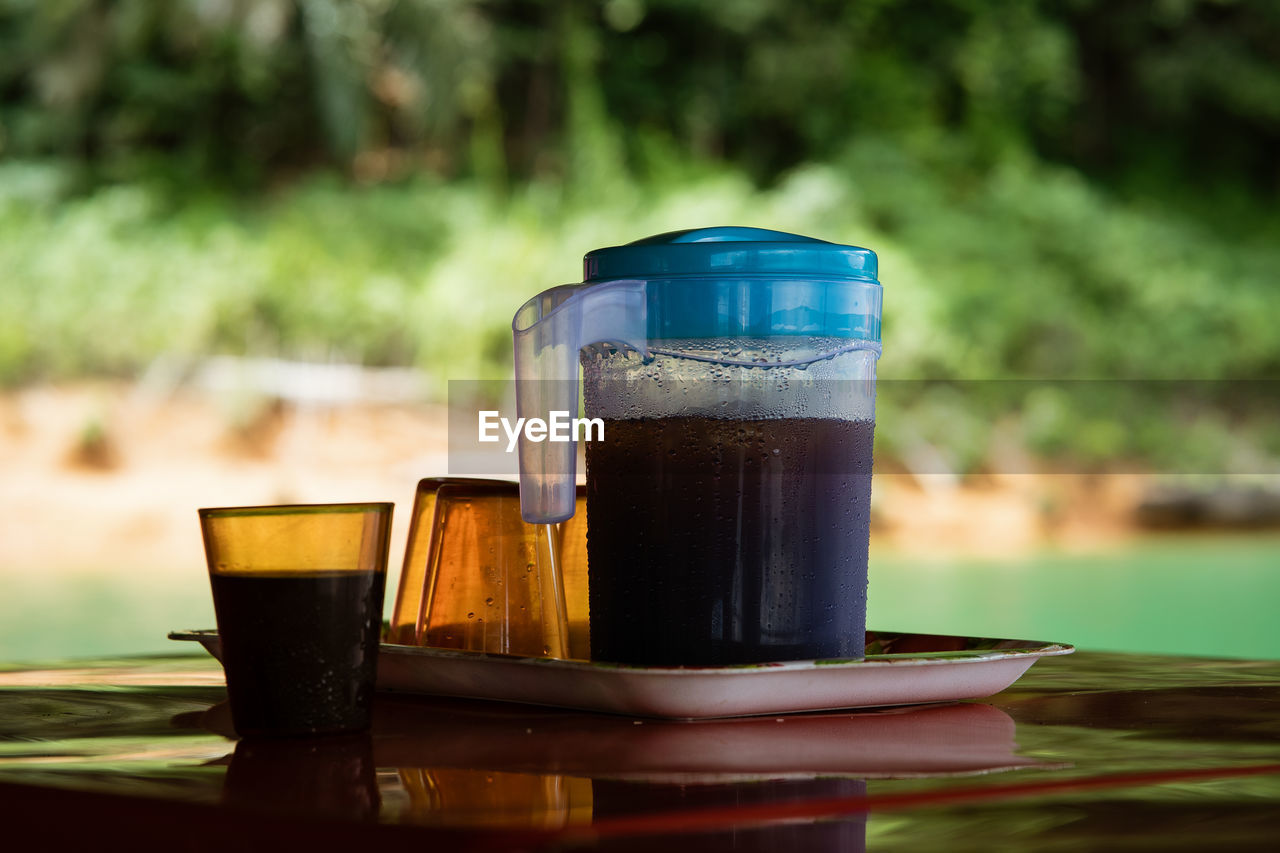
(1186, 595)
(1193, 595)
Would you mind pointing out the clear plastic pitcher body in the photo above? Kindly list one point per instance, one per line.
(732, 372)
(728, 507)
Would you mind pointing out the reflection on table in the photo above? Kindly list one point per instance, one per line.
(477, 764)
(1083, 751)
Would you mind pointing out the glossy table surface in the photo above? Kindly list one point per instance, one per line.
(1083, 752)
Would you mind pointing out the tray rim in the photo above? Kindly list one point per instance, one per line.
(1033, 649)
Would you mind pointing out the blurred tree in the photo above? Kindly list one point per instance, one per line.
(1182, 93)
(1149, 96)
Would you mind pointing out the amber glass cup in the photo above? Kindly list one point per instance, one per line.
(298, 595)
(477, 577)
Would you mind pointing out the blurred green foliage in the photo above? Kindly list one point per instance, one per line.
(1064, 188)
(1150, 95)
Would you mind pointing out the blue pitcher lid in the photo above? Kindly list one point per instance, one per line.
(729, 250)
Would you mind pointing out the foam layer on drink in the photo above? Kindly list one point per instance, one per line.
(715, 541)
(754, 378)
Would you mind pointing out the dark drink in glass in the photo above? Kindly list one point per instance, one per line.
(284, 675)
(718, 541)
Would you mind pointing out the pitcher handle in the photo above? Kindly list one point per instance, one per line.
(549, 331)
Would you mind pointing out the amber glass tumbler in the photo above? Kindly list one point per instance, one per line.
(298, 595)
(477, 577)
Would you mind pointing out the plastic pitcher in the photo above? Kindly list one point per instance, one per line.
(733, 373)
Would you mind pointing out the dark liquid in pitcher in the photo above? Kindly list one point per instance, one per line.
(726, 541)
(299, 649)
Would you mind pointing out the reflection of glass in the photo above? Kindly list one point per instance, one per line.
(462, 797)
(331, 777)
(477, 577)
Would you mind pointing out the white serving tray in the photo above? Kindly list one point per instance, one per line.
(899, 669)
